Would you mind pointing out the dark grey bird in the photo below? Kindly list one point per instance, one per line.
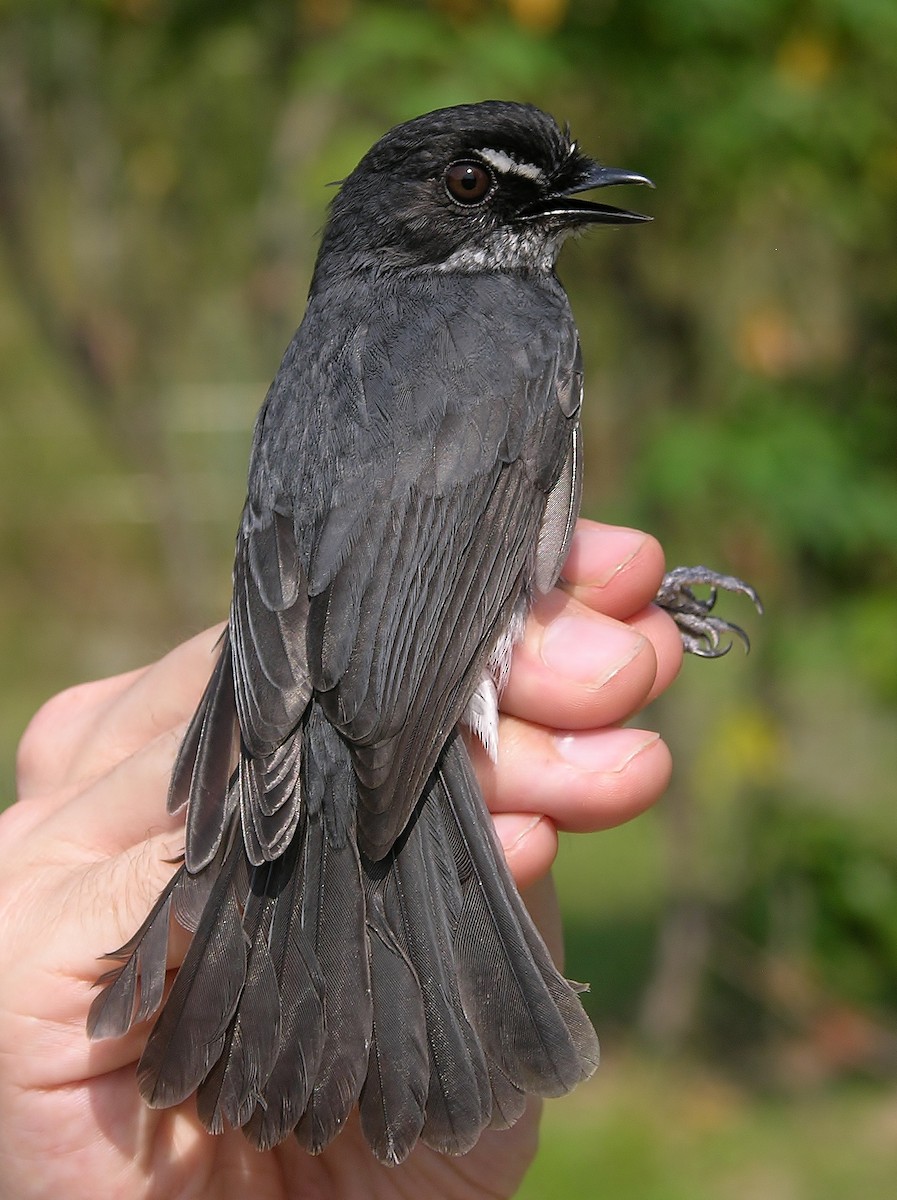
(413, 487)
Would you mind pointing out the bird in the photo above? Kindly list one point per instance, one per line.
(414, 483)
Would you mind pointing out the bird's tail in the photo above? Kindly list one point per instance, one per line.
(490, 1019)
(416, 986)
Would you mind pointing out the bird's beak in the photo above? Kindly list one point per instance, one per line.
(562, 203)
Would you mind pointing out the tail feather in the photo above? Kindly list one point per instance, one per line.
(508, 1100)
(528, 1017)
(191, 895)
(333, 918)
(300, 986)
(416, 987)
(112, 1012)
(115, 1009)
(233, 1087)
(427, 902)
(189, 1035)
(340, 946)
(394, 1096)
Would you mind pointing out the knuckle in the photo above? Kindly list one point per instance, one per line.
(45, 736)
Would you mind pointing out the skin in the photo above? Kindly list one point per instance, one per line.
(88, 846)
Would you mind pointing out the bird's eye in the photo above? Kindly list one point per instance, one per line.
(468, 182)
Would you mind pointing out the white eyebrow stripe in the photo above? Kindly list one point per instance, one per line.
(510, 166)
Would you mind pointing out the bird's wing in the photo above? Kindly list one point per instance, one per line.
(462, 506)
(269, 612)
(237, 749)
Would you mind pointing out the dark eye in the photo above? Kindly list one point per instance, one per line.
(468, 182)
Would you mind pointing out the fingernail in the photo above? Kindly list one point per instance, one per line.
(514, 827)
(597, 555)
(603, 751)
(588, 650)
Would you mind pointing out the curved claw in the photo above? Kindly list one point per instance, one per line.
(701, 633)
(716, 651)
(680, 580)
(741, 635)
(738, 633)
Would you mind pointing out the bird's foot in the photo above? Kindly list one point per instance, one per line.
(703, 634)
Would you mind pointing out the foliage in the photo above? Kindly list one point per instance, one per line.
(669, 1131)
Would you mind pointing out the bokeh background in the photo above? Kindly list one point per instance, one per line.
(163, 176)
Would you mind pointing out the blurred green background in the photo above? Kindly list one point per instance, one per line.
(163, 177)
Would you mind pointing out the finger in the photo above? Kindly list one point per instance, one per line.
(77, 913)
(116, 896)
(530, 843)
(612, 569)
(56, 731)
(576, 668)
(159, 698)
(662, 632)
(122, 808)
(53, 968)
(583, 781)
(82, 733)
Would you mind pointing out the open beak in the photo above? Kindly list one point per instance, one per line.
(564, 205)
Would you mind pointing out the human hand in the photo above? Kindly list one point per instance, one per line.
(88, 847)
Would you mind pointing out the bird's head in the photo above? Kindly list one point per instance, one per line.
(489, 186)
